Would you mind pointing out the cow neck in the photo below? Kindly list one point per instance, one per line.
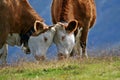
(64, 10)
(25, 36)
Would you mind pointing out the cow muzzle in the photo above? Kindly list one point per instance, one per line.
(61, 56)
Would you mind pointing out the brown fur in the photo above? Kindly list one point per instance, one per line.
(84, 11)
(16, 16)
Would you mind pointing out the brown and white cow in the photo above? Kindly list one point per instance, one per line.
(18, 17)
(38, 45)
(80, 13)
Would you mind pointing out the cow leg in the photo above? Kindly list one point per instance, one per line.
(80, 44)
(1, 43)
(3, 54)
(3, 47)
(77, 50)
(83, 42)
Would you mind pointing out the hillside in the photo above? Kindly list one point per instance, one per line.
(107, 68)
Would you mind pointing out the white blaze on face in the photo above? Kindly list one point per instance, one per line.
(39, 44)
(64, 40)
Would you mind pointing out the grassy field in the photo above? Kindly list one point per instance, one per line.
(71, 69)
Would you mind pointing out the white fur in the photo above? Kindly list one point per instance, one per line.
(3, 53)
(13, 39)
(2, 50)
(76, 48)
(65, 45)
(38, 45)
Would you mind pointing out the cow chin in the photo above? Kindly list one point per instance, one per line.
(61, 56)
(39, 58)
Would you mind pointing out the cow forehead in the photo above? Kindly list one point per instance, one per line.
(65, 45)
(62, 25)
(39, 44)
(41, 38)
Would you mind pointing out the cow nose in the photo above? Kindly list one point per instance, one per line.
(61, 56)
(39, 58)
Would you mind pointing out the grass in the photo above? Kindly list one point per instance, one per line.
(71, 69)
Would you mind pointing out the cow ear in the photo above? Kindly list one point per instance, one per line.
(72, 26)
(39, 27)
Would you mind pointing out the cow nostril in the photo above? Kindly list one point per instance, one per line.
(61, 56)
(39, 58)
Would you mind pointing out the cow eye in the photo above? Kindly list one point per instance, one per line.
(63, 37)
(45, 39)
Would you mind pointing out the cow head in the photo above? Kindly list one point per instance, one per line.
(39, 27)
(39, 44)
(64, 37)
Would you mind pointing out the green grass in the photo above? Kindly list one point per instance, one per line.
(71, 69)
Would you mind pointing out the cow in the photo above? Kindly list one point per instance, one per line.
(18, 17)
(80, 13)
(38, 45)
